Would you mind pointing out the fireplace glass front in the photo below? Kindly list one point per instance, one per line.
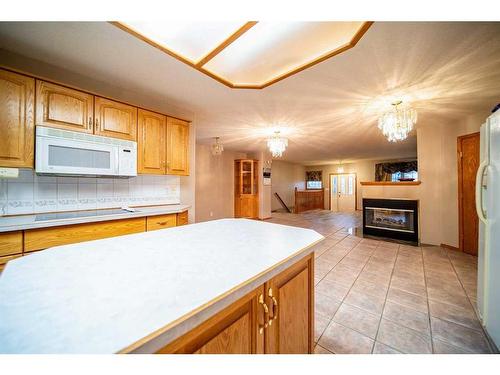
(390, 219)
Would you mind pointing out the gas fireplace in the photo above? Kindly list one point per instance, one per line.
(391, 218)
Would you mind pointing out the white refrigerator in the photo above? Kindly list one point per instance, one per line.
(488, 210)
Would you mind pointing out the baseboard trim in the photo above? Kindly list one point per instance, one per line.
(450, 247)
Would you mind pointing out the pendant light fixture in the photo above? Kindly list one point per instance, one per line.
(217, 147)
(398, 123)
(277, 144)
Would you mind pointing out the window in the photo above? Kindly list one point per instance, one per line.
(314, 185)
(314, 180)
(395, 177)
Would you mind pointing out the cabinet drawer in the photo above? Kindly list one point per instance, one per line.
(37, 239)
(161, 221)
(11, 243)
(182, 218)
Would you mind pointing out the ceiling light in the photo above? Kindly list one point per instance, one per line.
(398, 123)
(217, 147)
(277, 144)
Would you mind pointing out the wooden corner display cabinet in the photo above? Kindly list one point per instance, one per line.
(26, 101)
(275, 318)
(246, 182)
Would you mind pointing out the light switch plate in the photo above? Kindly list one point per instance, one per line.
(9, 172)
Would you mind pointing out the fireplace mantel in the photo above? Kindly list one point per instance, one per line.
(390, 183)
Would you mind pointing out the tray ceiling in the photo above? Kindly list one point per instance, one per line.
(250, 55)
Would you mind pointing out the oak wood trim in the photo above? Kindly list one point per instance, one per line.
(354, 40)
(390, 183)
(443, 245)
(242, 30)
(460, 190)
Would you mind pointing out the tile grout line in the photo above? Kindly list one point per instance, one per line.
(342, 301)
(470, 302)
(427, 300)
(385, 299)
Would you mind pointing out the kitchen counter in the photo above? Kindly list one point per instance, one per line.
(22, 222)
(106, 296)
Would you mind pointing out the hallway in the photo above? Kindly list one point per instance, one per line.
(382, 297)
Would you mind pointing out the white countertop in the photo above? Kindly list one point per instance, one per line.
(22, 222)
(103, 296)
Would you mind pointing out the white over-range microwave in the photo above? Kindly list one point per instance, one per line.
(67, 153)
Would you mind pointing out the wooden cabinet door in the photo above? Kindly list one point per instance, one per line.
(238, 329)
(177, 147)
(64, 108)
(114, 119)
(151, 142)
(290, 297)
(17, 95)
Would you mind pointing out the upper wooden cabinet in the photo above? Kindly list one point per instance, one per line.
(17, 96)
(114, 119)
(177, 147)
(64, 108)
(151, 142)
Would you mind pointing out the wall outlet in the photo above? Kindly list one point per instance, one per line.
(9, 172)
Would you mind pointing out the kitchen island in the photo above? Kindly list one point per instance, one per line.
(224, 286)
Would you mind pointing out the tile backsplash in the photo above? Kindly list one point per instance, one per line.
(30, 193)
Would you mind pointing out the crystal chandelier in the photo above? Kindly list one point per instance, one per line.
(398, 123)
(217, 147)
(277, 144)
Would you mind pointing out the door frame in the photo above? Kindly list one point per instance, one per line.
(460, 192)
(355, 189)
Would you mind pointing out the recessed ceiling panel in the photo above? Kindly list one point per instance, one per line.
(271, 49)
(190, 40)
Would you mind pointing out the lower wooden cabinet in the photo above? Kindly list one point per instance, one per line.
(290, 297)
(38, 239)
(182, 218)
(161, 222)
(235, 330)
(276, 318)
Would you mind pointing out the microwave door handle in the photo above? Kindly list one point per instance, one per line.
(117, 161)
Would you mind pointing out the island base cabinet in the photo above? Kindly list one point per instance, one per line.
(290, 298)
(238, 329)
(276, 318)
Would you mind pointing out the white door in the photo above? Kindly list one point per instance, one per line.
(343, 192)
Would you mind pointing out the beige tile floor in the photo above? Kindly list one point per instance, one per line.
(376, 296)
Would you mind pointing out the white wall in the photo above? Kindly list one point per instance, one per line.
(285, 177)
(438, 171)
(364, 169)
(214, 183)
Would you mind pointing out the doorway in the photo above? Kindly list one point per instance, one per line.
(468, 163)
(342, 192)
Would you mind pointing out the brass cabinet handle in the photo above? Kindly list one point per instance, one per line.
(96, 124)
(162, 223)
(274, 307)
(266, 312)
(90, 122)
